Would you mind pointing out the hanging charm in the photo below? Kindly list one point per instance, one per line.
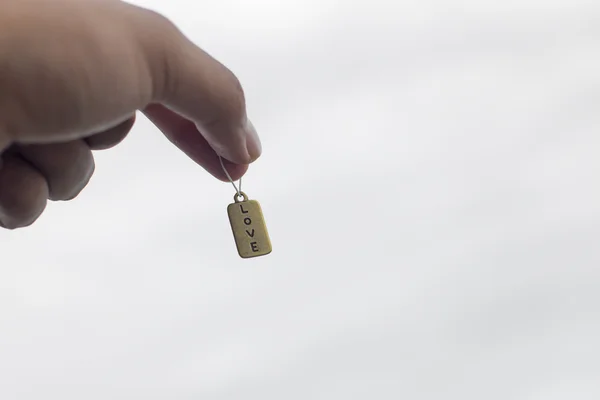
(248, 226)
(247, 223)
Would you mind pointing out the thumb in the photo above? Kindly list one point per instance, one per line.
(201, 90)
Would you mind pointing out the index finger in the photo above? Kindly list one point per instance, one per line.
(184, 134)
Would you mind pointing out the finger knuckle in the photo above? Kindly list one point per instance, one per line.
(13, 224)
(22, 204)
(72, 181)
(159, 40)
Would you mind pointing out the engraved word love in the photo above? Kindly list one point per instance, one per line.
(249, 229)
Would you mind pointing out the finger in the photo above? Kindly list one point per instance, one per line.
(67, 167)
(202, 90)
(111, 137)
(184, 134)
(23, 193)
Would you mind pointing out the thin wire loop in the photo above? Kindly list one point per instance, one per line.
(237, 189)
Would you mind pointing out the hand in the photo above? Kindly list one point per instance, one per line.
(72, 75)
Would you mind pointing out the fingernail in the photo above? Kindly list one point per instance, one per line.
(253, 145)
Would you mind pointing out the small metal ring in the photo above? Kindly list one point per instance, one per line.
(236, 197)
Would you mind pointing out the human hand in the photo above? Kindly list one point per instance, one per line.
(72, 76)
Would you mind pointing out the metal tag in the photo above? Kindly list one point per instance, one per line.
(249, 228)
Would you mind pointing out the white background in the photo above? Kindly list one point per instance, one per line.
(431, 184)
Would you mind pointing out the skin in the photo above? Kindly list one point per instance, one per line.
(73, 74)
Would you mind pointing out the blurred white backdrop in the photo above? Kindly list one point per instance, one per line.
(431, 184)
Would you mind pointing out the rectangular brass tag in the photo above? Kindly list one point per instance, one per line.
(249, 228)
